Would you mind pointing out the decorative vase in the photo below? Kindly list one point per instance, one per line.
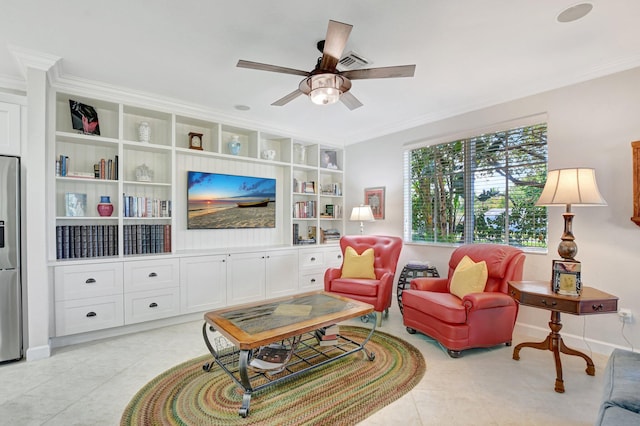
(105, 208)
(300, 153)
(144, 132)
(234, 145)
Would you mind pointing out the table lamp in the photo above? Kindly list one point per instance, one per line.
(569, 187)
(362, 213)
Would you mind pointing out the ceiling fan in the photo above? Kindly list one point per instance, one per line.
(325, 84)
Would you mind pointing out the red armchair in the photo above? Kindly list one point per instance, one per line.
(478, 319)
(386, 251)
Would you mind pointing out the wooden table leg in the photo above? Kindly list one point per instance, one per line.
(555, 344)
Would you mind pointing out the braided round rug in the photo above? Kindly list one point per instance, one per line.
(340, 393)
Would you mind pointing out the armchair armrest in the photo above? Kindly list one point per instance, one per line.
(438, 285)
(487, 300)
(331, 274)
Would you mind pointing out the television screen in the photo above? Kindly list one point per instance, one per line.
(220, 201)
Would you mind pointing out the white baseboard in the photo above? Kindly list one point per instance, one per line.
(39, 352)
(58, 342)
(572, 340)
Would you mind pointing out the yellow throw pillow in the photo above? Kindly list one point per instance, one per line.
(358, 266)
(469, 277)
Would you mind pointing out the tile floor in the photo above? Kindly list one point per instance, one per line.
(90, 384)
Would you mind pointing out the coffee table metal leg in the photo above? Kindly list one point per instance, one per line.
(243, 363)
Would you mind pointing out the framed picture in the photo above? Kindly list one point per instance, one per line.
(566, 277)
(75, 204)
(374, 197)
(84, 118)
(329, 159)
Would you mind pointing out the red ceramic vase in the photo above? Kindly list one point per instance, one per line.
(105, 208)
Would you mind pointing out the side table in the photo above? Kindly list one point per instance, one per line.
(539, 295)
(410, 271)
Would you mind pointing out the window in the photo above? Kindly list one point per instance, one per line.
(481, 189)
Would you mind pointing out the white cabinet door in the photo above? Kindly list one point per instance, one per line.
(9, 129)
(282, 273)
(245, 277)
(203, 283)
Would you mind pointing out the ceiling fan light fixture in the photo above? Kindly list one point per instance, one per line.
(325, 89)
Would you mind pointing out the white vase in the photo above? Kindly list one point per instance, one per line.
(144, 132)
(234, 145)
(300, 153)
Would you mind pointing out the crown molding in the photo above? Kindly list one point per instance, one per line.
(27, 58)
(620, 64)
(13, 83)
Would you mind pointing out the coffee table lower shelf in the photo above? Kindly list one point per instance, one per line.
(306, 355)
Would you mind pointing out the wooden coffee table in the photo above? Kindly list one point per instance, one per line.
(539, 295)
(290, 322)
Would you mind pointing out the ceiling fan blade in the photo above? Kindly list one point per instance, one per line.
(383, 72)
(272, 68)
(288, 98)
(334, 43)
(350, 101)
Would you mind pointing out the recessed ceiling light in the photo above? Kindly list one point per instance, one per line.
(242, 107)
(574, 13)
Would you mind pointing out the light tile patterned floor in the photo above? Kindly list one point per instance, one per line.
(90, 384)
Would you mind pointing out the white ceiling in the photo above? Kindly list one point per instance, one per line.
(469, 53)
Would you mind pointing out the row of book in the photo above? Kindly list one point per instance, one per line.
(145, 207)
(304, 209)
(298, 239)
(304, 187)
(331, 189)
(329, 235)
(103, 169)
(331, 211)
(78, 241)
(144, 239)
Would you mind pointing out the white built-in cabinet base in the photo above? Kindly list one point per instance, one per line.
(96, 296)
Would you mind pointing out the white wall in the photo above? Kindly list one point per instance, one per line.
(589, 125)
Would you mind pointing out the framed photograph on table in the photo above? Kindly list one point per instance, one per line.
(374, 197)
(565, 278)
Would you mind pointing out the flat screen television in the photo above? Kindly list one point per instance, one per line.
(221, 201)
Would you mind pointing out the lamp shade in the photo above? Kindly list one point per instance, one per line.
(576, 187)
(362, 214)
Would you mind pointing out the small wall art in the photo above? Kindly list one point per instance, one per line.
(329, 159)
(374, 197)
(84, 118)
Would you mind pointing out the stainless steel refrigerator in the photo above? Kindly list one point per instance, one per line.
(10, 287)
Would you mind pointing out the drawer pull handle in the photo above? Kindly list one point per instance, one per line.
(90, 281)
(544, 302)
(313, 259)
(91, 314)
(152, 275)
(313, 280)
(598, 307)
(153, 305)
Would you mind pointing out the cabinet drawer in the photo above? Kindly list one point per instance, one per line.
(151, 305)
(311, 259)
(79, 316)
(81, 281)
(333, 257)
(151, 274)
(312, 281)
